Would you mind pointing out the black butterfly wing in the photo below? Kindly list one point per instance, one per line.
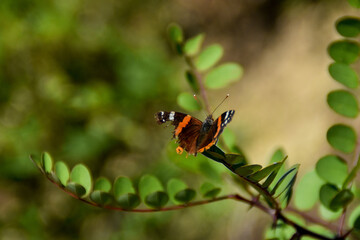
(215, 130)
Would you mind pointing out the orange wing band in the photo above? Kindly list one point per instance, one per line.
(182, 124)
(214, 139)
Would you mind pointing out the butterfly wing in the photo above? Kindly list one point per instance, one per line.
(187, 128)
(215, 130)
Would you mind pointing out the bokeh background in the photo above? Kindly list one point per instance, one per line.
(82, 80)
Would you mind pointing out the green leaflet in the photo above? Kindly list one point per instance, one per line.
(192, 46)
(344, 74)
(62, 172)
(342, 137)
(188, 102)
(80, 174)
(344, 103)
(344, 51)
(332, 169)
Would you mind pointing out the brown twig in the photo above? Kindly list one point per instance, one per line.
(310, 219)
(341, 222)
(275, 214)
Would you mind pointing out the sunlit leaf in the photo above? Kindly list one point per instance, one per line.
(149, 184)
(329, 215)
(156, 199)
(223, 75)
(102, 184)
(62, 172)
(344, 51)
(307, 191)
(342, 137)
(122, 185)
(80, 174)
(208, 190)
(175, 185)
(332, 169)
(348, 26)
(188, 102)
(192, 46)
(344, 103)
(344, 74)
(47, 162)
(209, 57)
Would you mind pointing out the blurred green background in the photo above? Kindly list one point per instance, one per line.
(82, 80)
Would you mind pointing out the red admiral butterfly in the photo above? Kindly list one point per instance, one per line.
(193, 135)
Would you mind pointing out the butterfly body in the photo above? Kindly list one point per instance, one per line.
(192, 134)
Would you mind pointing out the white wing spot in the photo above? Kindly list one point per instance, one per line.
(171, 116)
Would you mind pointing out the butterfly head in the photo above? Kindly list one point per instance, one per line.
(209, 121)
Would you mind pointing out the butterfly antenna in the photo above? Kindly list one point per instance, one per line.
(201, 105)
(227, 95)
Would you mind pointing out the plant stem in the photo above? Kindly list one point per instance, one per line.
(276, 214)
(310, 219)
(342, 221)
(199, 80)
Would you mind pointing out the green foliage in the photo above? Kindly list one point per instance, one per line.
(209, 57)
(344, 74)
(344, 51)
(102, 184)
(62, 172)
(223, 75)
(80, 174)
(193, 45)
(342, 138)
(188, 102)
(348, 26)
(344, 103)
(332, 169)
(307, 191)
(46, 162)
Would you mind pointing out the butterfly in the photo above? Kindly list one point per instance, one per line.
(192, 134)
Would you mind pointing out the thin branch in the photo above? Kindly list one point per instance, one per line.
(303, 231)
(199, 80)
(310, 219)
(274, 213)
(342, 221)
